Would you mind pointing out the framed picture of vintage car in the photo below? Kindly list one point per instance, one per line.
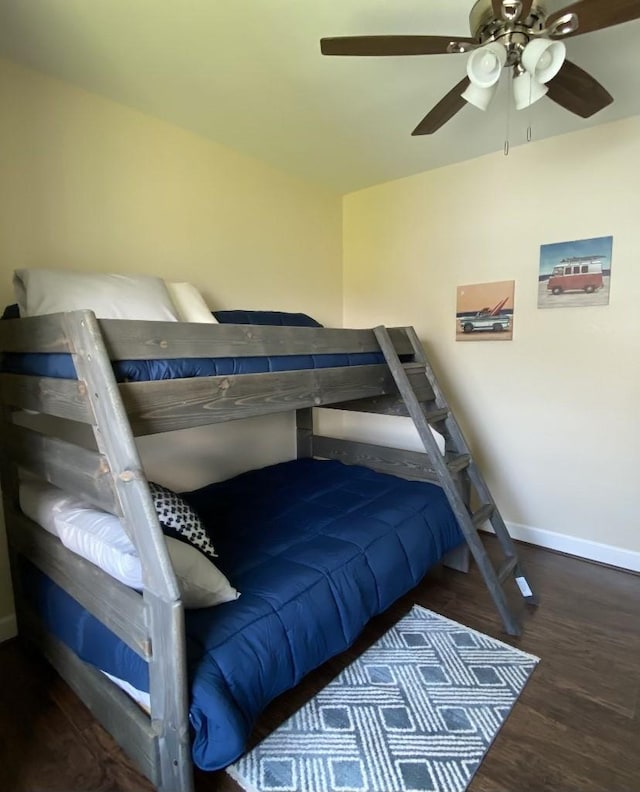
(484, 311)
(575, 274)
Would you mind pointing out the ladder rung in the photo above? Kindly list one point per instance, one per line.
(458, 462)
(506, 568)
(418, 382)
(414, 367)
(436, 415)
(484, 513)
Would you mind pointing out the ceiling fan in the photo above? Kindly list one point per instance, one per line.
(516, 34)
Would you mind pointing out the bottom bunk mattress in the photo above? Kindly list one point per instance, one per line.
(316, 548)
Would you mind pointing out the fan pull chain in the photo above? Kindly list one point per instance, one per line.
(530, 113)
(509, 94)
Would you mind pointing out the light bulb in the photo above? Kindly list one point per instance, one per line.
(485, 64)
(488, 62)
(545, 60)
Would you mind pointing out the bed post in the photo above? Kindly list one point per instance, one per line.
(165, 616)
(304, 432)
(11, 503)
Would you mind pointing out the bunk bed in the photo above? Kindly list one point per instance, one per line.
(375, 543)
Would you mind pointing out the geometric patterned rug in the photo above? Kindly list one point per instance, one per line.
(416, 712)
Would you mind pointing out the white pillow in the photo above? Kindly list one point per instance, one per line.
(76, 532)
(109, 296)
(100, 538)
(189, 303)
(41, 502)
(139, 696)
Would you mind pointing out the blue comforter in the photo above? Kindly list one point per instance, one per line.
(317, 548)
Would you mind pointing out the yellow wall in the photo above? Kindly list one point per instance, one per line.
(89, 184)
(553, 414)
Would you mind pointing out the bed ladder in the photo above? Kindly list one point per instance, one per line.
(459, 477)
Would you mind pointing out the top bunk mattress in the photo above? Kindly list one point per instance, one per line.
(316, 548)
(60, 366)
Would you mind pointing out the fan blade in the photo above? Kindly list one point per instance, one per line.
(446, 108)
(526, 9)
(595, 14)
(394, 45)
(577, 91)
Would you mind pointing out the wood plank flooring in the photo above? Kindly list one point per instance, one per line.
(576, 727)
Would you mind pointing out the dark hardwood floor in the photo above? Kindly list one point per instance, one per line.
(576, 727)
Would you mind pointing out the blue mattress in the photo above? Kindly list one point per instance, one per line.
(61, 365)
(317, 548)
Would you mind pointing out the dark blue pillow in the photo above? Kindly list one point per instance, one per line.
(281, 318)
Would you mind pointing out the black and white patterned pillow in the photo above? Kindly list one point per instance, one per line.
(178, 519)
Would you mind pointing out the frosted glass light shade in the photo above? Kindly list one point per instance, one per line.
(543, 58)
(527, 90)
(479, 97)
(484, 65)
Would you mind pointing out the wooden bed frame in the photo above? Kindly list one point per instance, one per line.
(107, 472)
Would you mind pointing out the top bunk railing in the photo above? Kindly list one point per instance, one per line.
(166, 405)
(85, 462)
(143, 340)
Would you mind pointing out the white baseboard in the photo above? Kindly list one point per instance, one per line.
(583, 548)
(8, 627)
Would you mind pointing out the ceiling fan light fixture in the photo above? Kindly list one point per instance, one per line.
(543, 58)
(519, 34)
(527, 90)
(485, 64)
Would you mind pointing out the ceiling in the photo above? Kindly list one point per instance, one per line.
(249, 74)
